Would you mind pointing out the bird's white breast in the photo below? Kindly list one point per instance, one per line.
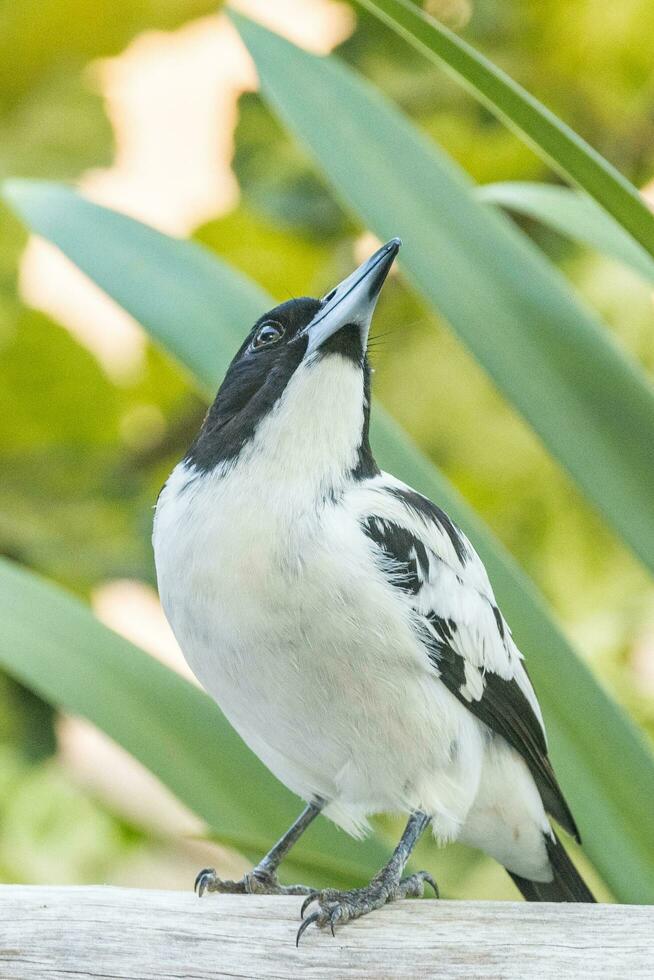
(271, 589)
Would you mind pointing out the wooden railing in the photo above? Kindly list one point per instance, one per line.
(107, 933)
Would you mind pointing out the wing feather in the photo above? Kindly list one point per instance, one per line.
(466, 639)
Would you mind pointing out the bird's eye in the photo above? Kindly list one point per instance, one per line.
(267, 334)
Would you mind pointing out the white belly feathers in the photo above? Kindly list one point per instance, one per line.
(270, 609)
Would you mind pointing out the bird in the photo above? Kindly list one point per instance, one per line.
(345, 625)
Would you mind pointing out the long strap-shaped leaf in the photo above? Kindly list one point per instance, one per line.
(555, 142)
(591, 405)
(52, 643)
(198, 308)
(574, 215)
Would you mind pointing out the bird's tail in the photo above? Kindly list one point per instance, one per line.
(567, 884)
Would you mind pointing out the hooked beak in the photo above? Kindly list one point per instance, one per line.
(353, 301)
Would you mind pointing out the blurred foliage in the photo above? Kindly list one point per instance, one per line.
(81, 462)
(87, 465)
(52, 832)
(40, 38)
(26, 721)
(276, 179)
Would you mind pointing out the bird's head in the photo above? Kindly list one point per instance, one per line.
(297, 391)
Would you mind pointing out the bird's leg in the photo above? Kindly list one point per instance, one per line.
(388, 885)
(262, 880)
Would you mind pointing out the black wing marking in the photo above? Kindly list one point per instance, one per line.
(502, 705)
(504, 708)
(431, 513)
(406, 553)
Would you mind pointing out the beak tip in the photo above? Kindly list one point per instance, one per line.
(354, 298)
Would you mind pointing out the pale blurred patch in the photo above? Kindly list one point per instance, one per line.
(365, 245)
(112, 775)
(142, 426)
(648, 193)
(132, 608)
(642, 658)
(454, 13)
(174, 865)
(50, 283)
(123, 784)
(171, 98)
(317, 25)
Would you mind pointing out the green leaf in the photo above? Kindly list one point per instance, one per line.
(573, 215)
(592, 406)
(202, 286)
(604, 766)
(53, 644)
(555, 142)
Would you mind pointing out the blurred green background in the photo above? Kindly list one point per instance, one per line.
(151, 108)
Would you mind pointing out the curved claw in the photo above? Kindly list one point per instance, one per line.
(202, 880)
(305, 925)
(307, 902)
(430, 881)
(333, 917)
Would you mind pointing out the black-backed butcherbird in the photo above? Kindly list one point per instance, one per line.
(344, 624)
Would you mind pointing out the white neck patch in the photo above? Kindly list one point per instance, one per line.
(312, 435)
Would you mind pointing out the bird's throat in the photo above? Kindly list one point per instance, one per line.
(311, 442)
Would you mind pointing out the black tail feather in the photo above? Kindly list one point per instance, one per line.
(567, 884)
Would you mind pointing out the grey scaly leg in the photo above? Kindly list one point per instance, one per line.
(262, 880)
(388, 885)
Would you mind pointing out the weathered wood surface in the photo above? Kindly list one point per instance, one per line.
(125, 933)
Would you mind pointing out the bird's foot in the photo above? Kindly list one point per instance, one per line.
(254, 882)
(337, 908)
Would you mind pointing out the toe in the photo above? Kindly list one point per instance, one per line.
(337, 908)
(338, 913)
(431, 882)
(203, 879)
(305, 925)
(311, 897)
(330, 913)
(413, 886)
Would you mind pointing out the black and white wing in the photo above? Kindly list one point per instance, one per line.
(465, 636)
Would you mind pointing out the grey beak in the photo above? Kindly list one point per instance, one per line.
(353, 301)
